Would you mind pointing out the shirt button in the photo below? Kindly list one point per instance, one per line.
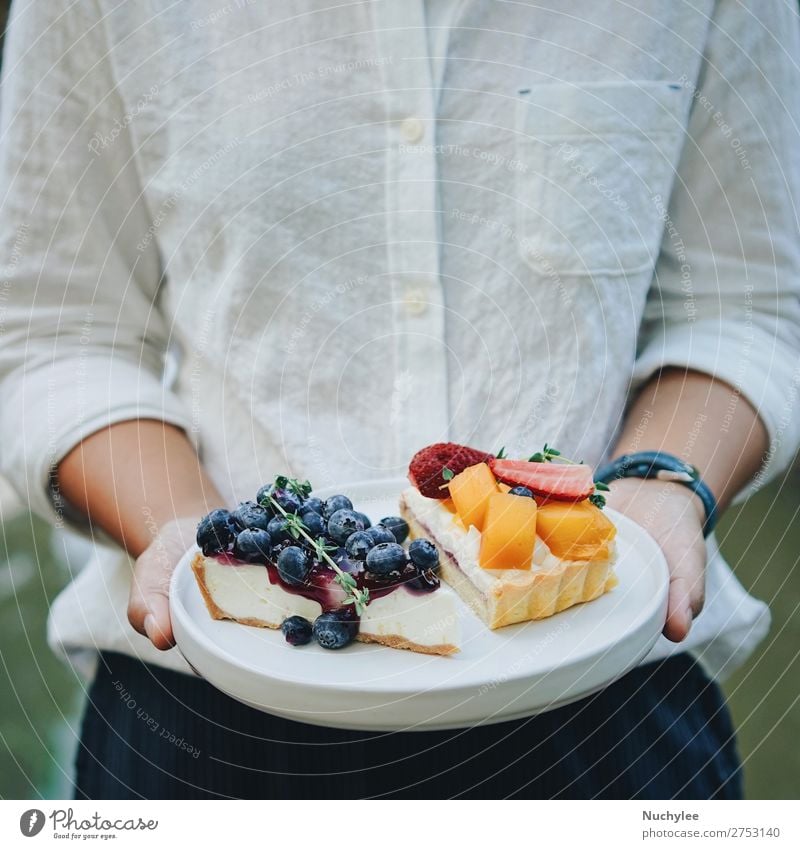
(412, 129)
(415, 301)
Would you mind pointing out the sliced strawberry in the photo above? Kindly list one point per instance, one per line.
(559, 481)
(427, 465)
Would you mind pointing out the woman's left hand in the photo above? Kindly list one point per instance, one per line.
(673, 515)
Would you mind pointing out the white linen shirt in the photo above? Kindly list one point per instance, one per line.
(349, 264)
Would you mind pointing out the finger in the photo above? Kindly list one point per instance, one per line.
(679, 611)
(148, 604)
(686, 596)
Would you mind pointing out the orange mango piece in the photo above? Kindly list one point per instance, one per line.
(509, 532)
(470, 491)
(575, 530)
(447, 503)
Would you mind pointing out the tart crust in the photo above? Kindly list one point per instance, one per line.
(394, 641)
(521, 596)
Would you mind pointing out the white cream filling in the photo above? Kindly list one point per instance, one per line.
(448, 533)
(428, 619)
(245, 592)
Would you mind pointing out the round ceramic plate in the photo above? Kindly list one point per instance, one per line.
(498, 675)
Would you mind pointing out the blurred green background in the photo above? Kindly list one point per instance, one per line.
(40, 699)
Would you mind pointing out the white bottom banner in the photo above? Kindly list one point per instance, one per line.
(281, 824)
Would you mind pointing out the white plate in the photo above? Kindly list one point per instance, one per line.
(498, 675)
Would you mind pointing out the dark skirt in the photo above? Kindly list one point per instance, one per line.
(661, 732)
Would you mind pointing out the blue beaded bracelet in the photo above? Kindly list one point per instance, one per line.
(659, 464)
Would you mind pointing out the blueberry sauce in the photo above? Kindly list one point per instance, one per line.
(321, 586)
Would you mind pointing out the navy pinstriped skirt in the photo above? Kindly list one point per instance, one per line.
(661, 732)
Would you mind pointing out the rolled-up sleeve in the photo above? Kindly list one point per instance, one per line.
(82, 340)
(725, 294)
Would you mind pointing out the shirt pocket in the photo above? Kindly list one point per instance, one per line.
(596, 161)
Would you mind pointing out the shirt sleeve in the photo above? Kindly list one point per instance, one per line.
(725, 295)
(82, 340)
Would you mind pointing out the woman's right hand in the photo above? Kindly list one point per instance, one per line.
(148, 604)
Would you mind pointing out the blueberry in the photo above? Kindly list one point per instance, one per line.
(358, 544)
(426, 582)
(251, 515)
(424, 555)
(312, 504)
(287, 499)
(386, 557)
(252, 545)
(314, 523)
(263, 498)
(381, 534)
(279, 530)
(398, 527)
(365, 519)
(349, 564)
(343, 523)
(297, 630)
(293, 565)
(335, 629)
(216, 532)
(521, 490)
(334, 503)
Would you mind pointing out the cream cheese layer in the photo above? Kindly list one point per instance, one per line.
(244, 591)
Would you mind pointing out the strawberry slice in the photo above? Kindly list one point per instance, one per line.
(559, 481)
(427, 465)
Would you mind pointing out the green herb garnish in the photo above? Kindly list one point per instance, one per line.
(296, 527)
(547, 455)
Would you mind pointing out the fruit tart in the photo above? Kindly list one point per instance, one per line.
(518, 539)
(321, 571)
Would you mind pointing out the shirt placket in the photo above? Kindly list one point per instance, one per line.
(419, 409)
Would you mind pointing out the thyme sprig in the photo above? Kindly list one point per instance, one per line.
(295, 525)
(597, 498)
(321, 547)
(359, 597)
(548, 454)
(301, 490)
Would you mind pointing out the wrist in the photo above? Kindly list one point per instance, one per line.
(664, 468)
(627, 490)
(702, 420)
(159, 524)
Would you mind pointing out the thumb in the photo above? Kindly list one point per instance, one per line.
(686, 590)
(148, 603)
